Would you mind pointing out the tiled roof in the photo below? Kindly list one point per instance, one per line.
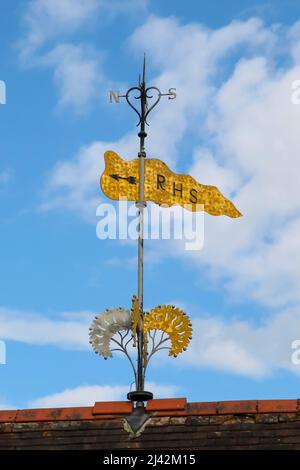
(174, 423)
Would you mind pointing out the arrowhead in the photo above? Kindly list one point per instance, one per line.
(115, 177)
(131, 180)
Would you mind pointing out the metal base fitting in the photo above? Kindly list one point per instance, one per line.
(139, 396)
(135, 423)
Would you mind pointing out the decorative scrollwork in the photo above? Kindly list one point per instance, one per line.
(127, 96)
(143, 96)
(159, 94)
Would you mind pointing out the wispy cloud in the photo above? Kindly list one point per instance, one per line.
(240, 347)
(77, 74)
(65, 331)
(46, 20)
(49, 41)
(87, 395)
(74, 184)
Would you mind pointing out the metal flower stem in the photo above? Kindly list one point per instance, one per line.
(156, 347)
(123, 348)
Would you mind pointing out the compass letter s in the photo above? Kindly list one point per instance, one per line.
(173, 94)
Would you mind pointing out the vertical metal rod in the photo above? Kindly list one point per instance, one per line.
(141, 204)
(140, 337)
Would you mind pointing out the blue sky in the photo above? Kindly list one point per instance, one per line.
(233, 124)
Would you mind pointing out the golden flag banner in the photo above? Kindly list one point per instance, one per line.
(120, 180)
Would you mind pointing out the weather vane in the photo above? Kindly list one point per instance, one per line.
(143, 180)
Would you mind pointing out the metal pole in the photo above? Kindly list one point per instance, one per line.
(141, 204)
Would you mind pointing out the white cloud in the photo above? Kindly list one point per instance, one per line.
(74, 184)
(49, 20)
(46, 19)
(241, 348)
(257, 141)
(47, 42)
(87, 395)
(76, 67)
(77, 74)
(64, 331)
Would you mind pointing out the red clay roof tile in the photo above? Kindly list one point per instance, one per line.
(167, 404)
(112, 407)
(235, 407)
(54, 414)
(108, 411)
(7, 416)
(275, 406)
(203, 408)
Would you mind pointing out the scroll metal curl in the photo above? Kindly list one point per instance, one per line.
(127, 96)
(159, 95)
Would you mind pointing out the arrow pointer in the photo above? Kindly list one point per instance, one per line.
(130, 179)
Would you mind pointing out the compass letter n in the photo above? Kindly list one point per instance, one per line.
(114, 96)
